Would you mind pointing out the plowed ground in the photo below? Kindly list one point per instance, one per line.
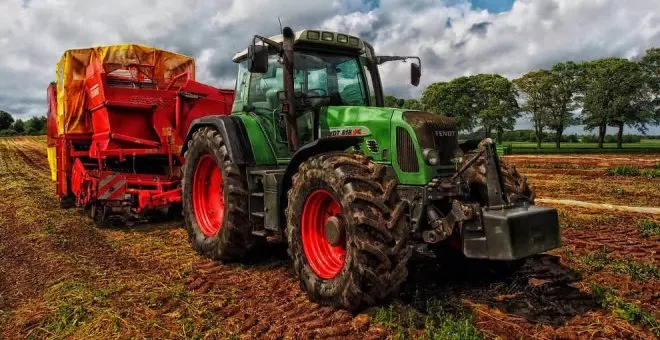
(60, 276)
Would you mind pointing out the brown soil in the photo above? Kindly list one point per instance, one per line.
(585, 178)
(64, 277)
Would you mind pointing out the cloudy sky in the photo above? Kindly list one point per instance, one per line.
(453, 37)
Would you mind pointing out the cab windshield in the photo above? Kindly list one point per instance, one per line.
(344, 80)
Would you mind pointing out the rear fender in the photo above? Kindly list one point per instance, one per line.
(232, 131)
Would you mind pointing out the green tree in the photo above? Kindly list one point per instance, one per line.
(486, 100)
(412, 104)
(5, 120)
(616, 94)
(392, 101)
(565, 78)
(18, 126)
(35, 125)
(534, 88)
(650, 65)
(454, 99)
(496, 103)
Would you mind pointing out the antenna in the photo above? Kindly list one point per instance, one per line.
(278, 19)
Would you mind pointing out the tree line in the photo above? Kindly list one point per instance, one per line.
(16, 127)
(614, 92)
(529, 136)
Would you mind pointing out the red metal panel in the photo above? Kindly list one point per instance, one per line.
(133, 117)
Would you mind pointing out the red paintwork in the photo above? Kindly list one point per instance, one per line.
(325, 260)
(131, 117)
(208, 200)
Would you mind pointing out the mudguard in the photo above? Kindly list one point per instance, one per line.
(232, 130)
(318, 146)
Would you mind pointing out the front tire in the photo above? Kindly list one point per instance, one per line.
(515, 184)
(215, 199)
(517, 190)
(365, 261)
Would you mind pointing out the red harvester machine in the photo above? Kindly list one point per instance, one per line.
(118, 116)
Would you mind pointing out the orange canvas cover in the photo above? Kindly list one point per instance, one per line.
(71, 114)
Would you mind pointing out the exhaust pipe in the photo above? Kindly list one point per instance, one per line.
(289, 104)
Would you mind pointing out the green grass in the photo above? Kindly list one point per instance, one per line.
(436, 323)
(648, 228)
(646, 145)
(600, 260)
(651, 173)
(624, 170)
(634, 314)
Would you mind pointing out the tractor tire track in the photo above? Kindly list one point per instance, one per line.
(269, 303)
(36, 159)
(42, 244)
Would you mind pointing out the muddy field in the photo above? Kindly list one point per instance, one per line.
(60, 276)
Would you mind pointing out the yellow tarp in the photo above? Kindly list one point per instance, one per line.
(71, 69)
(52, 162)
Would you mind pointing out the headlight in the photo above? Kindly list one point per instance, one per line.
(432, 157)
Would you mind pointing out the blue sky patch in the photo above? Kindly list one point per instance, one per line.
(493, 6)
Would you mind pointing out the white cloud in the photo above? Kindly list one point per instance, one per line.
(452, 40)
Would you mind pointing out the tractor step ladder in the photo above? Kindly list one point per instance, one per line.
(262, 186)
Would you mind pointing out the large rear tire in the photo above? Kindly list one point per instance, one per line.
(361, 258)
(215, 199)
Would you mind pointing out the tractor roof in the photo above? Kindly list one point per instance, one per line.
(316, 37)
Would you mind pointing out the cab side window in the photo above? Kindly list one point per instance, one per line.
(241, 83)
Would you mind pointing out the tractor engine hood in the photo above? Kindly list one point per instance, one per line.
(434, 131)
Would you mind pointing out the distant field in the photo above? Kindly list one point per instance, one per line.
(646, 145)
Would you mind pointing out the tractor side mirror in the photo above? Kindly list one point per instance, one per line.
(415, 73)
(257, 58)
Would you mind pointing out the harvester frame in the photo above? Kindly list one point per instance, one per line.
(116, 124)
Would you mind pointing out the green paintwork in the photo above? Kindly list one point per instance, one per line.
(261, 146)
(376, 119)
(381, 123)
(426, 172)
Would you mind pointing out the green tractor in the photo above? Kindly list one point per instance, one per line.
(310, 157)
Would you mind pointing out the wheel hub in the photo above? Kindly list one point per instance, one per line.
(334, 231)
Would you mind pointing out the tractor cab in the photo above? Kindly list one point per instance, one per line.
(329, 70)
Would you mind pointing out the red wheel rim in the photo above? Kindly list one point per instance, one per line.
(208, 201)
(325, 259)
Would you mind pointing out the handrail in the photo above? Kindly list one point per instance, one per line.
(186, 73)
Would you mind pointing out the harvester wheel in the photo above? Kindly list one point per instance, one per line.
(67, 202)
(215, 199)
(348, 232)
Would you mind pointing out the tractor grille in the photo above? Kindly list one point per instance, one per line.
(405, 151)
(436, 132)
(445, 141)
